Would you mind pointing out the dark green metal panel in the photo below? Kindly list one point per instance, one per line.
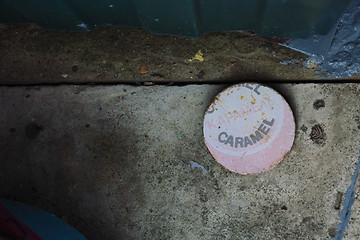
(284, 18)
(178, 17)
(77, 15)
(301, 18)
(217, 15)
(9, 15)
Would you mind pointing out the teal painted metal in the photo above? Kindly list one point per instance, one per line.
(281, 18)
(46, 225)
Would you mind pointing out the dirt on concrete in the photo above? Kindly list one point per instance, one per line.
(31, 55)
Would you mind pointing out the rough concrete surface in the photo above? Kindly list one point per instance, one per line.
(31, 55)
(126, 162)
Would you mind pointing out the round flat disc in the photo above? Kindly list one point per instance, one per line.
(249, 128)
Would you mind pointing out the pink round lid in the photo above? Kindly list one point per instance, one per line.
(249, 128)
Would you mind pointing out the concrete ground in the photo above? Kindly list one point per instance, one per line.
(118, 162)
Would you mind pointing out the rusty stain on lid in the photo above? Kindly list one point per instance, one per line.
(250, 130)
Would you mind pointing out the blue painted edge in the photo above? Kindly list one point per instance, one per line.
(45, 224)
(345, 214)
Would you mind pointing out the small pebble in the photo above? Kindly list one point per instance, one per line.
(148, 83)
(200, 74)
(311, 64)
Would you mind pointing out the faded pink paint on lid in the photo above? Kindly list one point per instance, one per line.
(249, 128)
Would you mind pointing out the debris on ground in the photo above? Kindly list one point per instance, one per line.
(200, 74)
(148, 83)
(198, 56)
(143, 70)
(196, 165)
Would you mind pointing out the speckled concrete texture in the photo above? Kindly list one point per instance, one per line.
(127, 162)
(30, 55)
